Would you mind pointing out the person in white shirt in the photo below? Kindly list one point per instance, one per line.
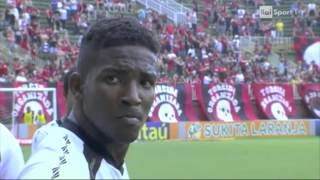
(63, 17)
(207, 78)
(11, 158)
(241, 12)
(312, 9)
(21, 77)
(113, 89)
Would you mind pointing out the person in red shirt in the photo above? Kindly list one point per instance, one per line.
(24, 43)
(3, 71)
(170, 28)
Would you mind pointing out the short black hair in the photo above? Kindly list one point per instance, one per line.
(113, 32)
(66, 78)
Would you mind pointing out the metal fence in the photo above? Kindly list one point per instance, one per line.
(247, 41)
(173, 10)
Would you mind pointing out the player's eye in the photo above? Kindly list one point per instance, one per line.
(111, 79)
(147, 84)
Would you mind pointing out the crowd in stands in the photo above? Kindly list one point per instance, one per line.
(188, 53)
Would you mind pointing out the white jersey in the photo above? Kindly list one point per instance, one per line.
(11, 158)
(61, 154)
(41, 133)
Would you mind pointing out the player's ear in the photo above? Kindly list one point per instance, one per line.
(75, 85)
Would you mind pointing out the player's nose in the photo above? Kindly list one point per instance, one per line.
(131, 95)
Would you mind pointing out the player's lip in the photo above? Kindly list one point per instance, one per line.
(133, 119)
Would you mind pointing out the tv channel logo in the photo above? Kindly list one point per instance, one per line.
(266, 12)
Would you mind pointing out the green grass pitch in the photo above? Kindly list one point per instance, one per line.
(272, 158)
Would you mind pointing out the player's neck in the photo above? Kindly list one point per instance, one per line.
(117, 151)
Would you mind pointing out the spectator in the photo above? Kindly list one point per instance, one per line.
(63, 17)
(21, 76)
(3, 72)
(312, 8)
(279, 27)
(194, 21)
(239, 77)
(194, 48)
(207, 78)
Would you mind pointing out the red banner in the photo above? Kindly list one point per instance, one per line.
(14, 104)
(225, 102)
(275, 100)
(172, 103)
(307, 49)
(310, 94)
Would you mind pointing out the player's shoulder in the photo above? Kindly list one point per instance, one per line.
(11, 158)
(58, 155)
(4, 130)
(6, 137)
(43, 131)
(58, 137)
(52, 164)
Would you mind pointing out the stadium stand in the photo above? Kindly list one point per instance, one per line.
(226, 41)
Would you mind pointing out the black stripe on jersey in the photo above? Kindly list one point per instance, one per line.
(90, 142)
(62, 158)
(59, 122)
(93, 159)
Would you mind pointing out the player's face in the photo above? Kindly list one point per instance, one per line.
(119, 91)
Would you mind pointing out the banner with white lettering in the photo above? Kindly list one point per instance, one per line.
(225, 102)
(276, 101)
(244, 129)
(310, 94)
(172, 103)
(29, 105)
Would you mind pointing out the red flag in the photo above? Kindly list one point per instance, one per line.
(276, 101)
(172, 103)
(310, 94)
(307, 49)
(225, 102)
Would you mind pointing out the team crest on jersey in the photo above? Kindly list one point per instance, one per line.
(165, 106)
(34, 100)
(223, 104)
(313, 101)
(273, 98)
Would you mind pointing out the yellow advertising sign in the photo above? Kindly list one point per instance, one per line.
(267, 128)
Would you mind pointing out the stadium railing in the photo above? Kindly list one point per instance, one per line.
(247, 40)
(173, 14)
